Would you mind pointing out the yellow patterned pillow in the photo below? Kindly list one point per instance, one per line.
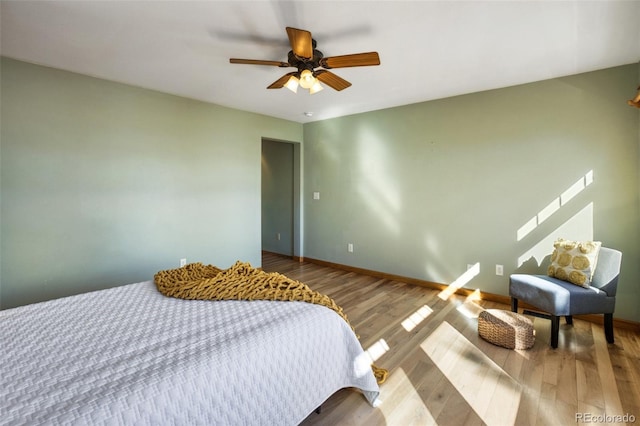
(574, 261)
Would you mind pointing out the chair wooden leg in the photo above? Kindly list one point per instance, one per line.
(569, 319)
(514, 304)
(608, 327)
(555, 328)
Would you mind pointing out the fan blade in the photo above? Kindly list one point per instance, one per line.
(279, 83)
(259, 62)
(355, 60)
(301, 42)
(332, 80)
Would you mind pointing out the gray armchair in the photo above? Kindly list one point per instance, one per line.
(558, 298)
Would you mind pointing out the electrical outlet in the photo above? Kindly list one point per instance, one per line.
(183, 262)
(350, 248)
(499, 270)
(278, 236)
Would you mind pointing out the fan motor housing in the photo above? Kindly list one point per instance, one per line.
(305, 63)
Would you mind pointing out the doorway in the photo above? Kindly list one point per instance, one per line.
(280, 190)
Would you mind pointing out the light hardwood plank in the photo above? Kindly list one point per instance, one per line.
(442, 372)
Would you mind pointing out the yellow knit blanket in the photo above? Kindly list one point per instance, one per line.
(196, 281)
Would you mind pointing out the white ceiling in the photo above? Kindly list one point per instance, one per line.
(428, 49)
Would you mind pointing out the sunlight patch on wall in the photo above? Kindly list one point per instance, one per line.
(417, 317)
(375, 185)
(402, 404)
(578, 227)
(576, 188)
(434, 267)
(548, 211)
(329, 132)
(469, 369)
(555, 205)
(460, 282)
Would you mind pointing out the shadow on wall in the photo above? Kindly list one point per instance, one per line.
(532, 267)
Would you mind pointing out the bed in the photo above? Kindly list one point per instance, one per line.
(129, 355)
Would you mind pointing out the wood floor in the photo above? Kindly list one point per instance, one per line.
(442, 372)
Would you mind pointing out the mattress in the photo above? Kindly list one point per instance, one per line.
(129, 355)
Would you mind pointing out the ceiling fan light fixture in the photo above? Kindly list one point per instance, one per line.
(316, 87)
(306, 59)
(292, 84)
(307, 80)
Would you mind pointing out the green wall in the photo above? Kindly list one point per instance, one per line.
(104, 184)
(491, 178)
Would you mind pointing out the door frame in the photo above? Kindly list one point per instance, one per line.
(297, 226)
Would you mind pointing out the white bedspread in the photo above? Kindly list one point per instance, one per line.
(129, 355)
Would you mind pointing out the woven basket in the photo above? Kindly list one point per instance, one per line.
(507, 329)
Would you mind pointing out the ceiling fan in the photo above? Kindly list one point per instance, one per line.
(307, 59)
